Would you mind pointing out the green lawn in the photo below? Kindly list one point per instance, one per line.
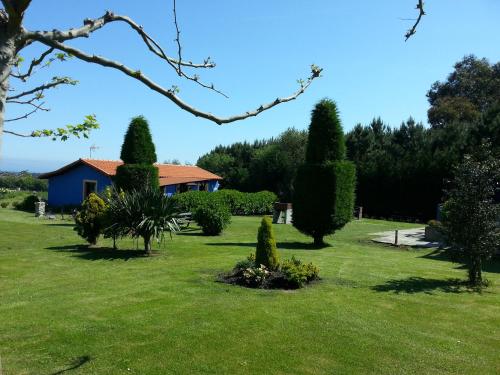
(377, 310)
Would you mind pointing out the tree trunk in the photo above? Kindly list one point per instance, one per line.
(318, 240)
(147, 245)
(9, 35)
(475, 276)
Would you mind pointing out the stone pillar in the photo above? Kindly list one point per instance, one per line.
(39, 208)
(282, 213)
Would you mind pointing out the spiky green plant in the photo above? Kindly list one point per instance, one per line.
(145, 213)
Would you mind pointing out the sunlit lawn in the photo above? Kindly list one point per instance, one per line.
(377, 309)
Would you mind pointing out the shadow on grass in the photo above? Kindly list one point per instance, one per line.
(76, 363)
(191, 233)
(99, 253)
(420, 285)
(448, 255)
(281, 245)
(60, 224)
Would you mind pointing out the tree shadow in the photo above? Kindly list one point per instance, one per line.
(60, 224)
(99, 253)
(413, 285)
(232, 244)
(192, 233)
(281, 245)
(492, 265)
(296, 245)
(74, 364)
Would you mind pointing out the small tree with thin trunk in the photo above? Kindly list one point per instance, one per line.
(471, 215)
(138, 155)
(323, 199)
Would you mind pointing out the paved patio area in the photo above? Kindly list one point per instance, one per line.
(406, 237)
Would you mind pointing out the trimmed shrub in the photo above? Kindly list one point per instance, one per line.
(138, 146)
(89, 220)
(323, 199)
(345, 185)
(4, 204)
(27, 204)
(212, 217)
(266, 253)
(135, 176)
(138, 155)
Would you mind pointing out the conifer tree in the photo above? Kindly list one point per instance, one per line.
(138, 155)
(324, 187)
(266, 253)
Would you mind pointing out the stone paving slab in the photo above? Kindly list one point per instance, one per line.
(406, 237)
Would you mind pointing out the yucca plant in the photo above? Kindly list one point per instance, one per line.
(145, 213)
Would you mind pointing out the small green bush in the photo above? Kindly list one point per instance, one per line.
(4, 204)
(296, 273)
(212, 217)
(266, 253)
(89, 221)
(246, 263)
(27, 204)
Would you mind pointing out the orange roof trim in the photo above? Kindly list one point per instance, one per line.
(169, 174)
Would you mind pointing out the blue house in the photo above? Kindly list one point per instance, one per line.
(70, 184)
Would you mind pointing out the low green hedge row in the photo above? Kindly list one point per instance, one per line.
(260, 203)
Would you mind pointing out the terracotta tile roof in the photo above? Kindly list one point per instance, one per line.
(170, 174)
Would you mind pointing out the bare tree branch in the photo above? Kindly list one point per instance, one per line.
(56, 82)
(34, 63)
(91, 25)
(17, 134)
(413, 30)
(26, 115)
(177, 39)
(171, 93)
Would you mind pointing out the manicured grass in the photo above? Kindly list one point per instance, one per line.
(377, 310)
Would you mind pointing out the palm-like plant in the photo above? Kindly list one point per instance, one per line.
(145, 213)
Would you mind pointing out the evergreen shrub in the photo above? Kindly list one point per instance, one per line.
(89, 220)
(135, 176)
(266, 253)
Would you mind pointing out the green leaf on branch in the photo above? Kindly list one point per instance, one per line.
(63, 133)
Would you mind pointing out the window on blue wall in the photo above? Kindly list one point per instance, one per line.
(89, 187)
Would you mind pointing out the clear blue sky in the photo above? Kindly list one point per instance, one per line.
(261, 48)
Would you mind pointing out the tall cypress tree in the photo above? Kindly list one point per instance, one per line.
(138, 155)
(324, 187)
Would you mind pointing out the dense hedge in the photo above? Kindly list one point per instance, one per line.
(239, 203)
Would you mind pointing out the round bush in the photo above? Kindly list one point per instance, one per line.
(27, 204)
(212, 217)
